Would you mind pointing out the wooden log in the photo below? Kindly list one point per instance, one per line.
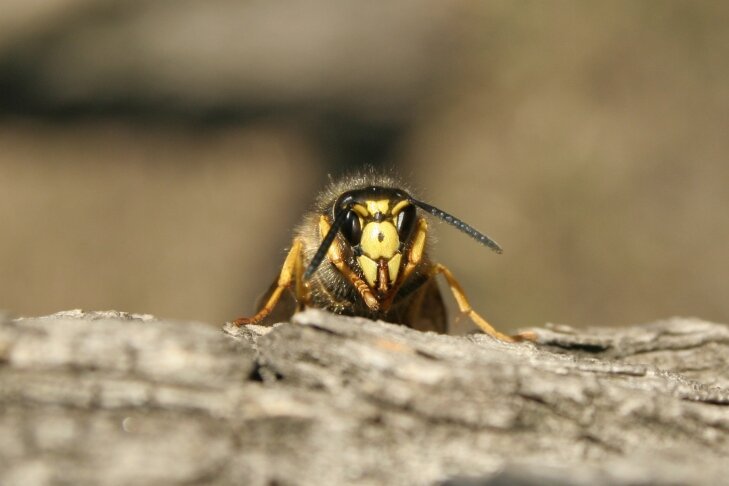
(116, 398)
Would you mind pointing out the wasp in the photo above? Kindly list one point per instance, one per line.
(362, 251)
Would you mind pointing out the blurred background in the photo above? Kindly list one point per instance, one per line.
(155, 154)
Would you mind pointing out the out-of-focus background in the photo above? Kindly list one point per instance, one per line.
(154, 155)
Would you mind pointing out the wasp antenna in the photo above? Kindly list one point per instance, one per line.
(326, 243)
(453, 221)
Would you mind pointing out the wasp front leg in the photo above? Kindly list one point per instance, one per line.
(334, 254)
(291, 273)
(465, 307)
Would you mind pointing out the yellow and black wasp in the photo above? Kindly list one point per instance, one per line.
(361, 251)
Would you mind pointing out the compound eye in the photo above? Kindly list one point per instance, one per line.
(406, 223)
(351, 229)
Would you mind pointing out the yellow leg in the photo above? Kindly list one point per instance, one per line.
(302, 291)
(466, 308)
(291, 270)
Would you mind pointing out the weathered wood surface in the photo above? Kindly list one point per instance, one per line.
(113, 398)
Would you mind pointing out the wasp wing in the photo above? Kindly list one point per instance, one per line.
(427, 311)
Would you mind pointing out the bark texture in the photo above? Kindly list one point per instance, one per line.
(114, 398)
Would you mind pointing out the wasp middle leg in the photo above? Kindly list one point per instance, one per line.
(466, 308)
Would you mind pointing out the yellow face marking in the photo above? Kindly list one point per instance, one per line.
(399, 207)
(369, 268)
(379, 206)
(380, 240)
(323, 227)
(416, 251)
(393, 266)
(360, 210)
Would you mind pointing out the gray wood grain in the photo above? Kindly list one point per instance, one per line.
(115, 398)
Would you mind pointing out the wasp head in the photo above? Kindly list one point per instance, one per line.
(377, 224)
